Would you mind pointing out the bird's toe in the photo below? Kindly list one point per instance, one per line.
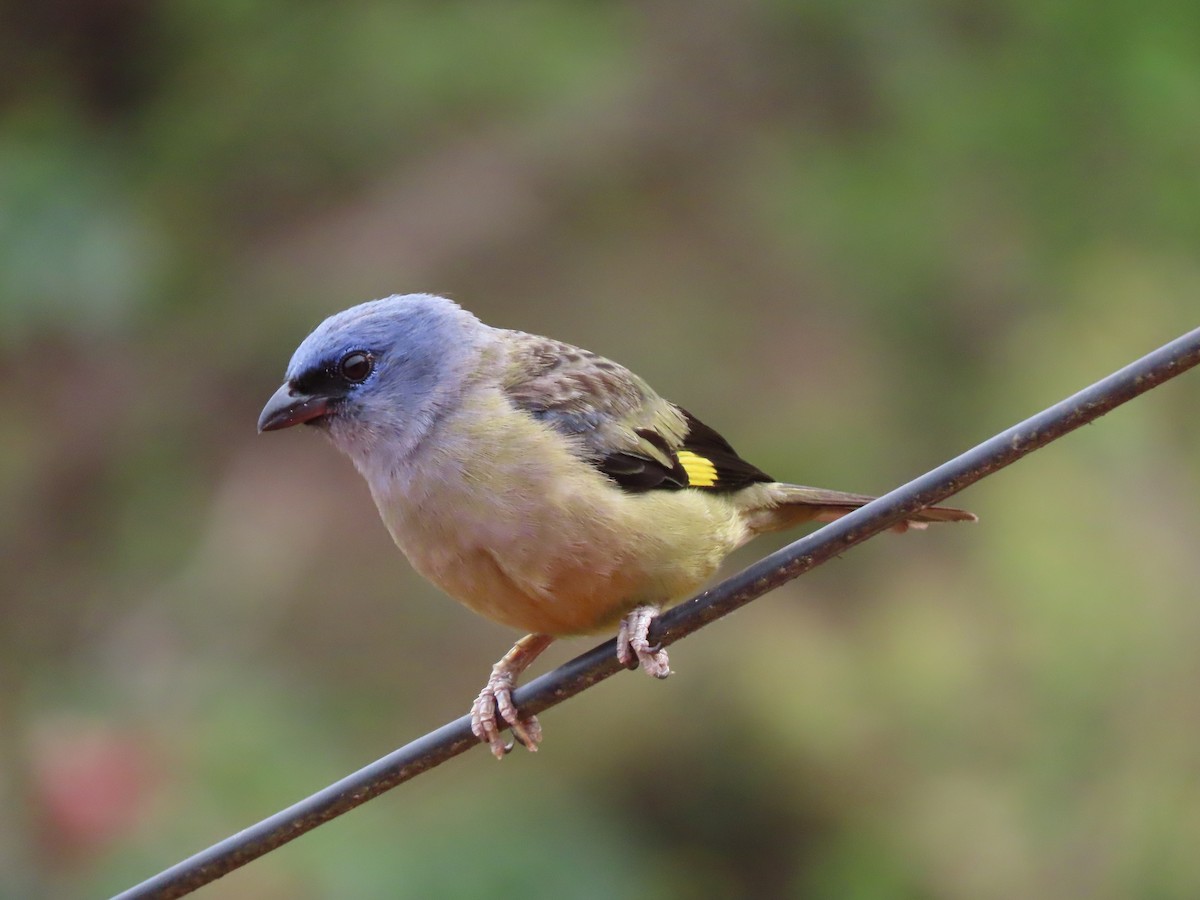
(493, 706)
(634, 647)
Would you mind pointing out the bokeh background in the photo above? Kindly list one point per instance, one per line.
(856, 238)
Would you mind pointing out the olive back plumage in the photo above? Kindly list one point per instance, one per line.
(624, 428)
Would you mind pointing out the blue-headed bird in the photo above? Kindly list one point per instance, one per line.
(544, 486)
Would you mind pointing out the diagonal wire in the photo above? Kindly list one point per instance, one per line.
(765, 575)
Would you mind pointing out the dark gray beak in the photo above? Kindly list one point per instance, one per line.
(288, 407)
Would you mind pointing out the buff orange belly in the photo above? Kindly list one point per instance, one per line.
(583, 594)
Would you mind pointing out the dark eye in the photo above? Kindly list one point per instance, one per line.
(356, 366)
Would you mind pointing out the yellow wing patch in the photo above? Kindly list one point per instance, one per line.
(700, 471)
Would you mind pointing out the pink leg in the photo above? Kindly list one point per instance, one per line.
(497, 697)
(633, 647)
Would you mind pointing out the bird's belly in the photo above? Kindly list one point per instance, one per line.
(569, 597)
(566, 564)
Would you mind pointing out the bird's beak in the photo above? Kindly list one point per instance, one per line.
(288, 407)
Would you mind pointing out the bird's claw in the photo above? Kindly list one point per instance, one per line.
(496, 698)
(634, 647)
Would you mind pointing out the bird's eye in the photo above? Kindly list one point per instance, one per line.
(356, 366)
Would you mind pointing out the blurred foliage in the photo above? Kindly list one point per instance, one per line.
(856, 238)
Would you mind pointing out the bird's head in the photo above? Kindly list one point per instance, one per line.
(377, 376)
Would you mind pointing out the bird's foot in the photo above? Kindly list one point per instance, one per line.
(633, 645)
(496, 699)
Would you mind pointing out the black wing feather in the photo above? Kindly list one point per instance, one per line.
(623, 427)
(733, 472)
(637, 473)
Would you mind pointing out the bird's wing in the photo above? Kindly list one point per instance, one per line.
(630, 433)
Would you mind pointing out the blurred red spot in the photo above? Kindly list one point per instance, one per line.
(91, 782)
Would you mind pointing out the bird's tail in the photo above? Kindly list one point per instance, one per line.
(781, 506)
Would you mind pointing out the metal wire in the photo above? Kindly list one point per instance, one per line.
(765, 575)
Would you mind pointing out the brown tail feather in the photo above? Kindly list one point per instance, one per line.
(788, 505)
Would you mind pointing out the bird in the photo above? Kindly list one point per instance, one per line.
(542, 485)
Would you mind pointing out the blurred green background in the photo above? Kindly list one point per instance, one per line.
(856, 238)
